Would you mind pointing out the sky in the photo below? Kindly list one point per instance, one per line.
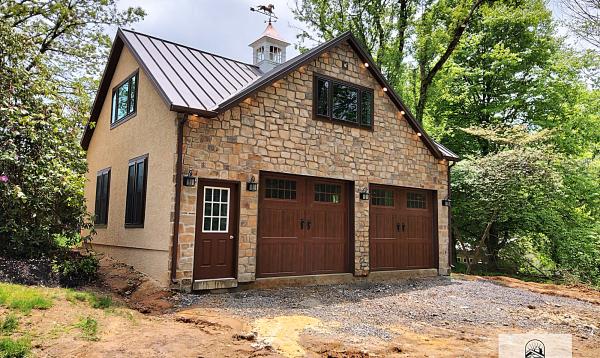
(224, 27)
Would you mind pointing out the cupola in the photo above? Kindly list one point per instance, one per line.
(268, 50)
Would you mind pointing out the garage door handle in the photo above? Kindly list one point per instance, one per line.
(403, 227)
(301, 224)
(308, 224)
(398, 227)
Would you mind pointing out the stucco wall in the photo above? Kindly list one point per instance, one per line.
(273, 130)
(152, 131)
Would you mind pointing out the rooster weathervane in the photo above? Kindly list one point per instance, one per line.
(266, 10)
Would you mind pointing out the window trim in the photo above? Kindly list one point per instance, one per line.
(136, 160)
(132, 114)
(329, 117)
(418, 192)
(99, 173)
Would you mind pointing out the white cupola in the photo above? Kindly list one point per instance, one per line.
(268, 50)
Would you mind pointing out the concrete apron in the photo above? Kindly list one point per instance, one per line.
(326, 279)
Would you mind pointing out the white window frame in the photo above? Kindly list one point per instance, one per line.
(226, 217)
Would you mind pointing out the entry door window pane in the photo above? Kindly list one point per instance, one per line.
(216, 209)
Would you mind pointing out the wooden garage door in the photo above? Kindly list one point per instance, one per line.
(303, 226)
(401, 228)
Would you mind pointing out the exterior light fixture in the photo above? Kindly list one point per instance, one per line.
(446, 202)
(402, 112)
(384, 89)
(366, 64)
(189, 179)
(252, 185)
(364, 194)
(419, 134)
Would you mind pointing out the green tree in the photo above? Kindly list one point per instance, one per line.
(398, 33)
(47, 50)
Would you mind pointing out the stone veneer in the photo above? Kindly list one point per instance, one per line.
(274, 130)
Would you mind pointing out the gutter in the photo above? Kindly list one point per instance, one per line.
(181, 120)
(451, 247)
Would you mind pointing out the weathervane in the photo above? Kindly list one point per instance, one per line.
(266, 10)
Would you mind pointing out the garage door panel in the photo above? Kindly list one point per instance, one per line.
(282, 222)
(401, 235)
(283, 257)
(383, 254)
(311, 212)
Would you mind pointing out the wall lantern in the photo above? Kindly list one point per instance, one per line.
(446, 202)
(364, 194)
(252, 185)
(189, 179)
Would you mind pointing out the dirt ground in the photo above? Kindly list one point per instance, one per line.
(437, 317)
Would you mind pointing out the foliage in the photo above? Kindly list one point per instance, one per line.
(411, 39)
(9, 324)
(23, 298)
(75, 269)
(48, 51)
(585, 19)
(89, 328)
(14, 348)
(69, 39)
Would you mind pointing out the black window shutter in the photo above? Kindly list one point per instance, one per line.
(102, 195)
(136, 192)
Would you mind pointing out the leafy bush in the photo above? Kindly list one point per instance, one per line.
(23, 298)
(14, 348)
(75, 269)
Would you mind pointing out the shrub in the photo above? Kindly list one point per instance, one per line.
(75, 269)
(23, 298)
(14, 348)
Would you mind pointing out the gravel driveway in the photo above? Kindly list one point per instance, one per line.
(368, 309)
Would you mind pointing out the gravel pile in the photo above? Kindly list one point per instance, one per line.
(366, 308)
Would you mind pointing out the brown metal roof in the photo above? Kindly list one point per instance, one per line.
(188, 77)
(195, 81)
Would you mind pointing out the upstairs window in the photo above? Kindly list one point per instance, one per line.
(342, 101)
(135, 204)
(102, 194)
(124, 99)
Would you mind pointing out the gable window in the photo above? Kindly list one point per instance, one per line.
(135, 205)
(102, 194)
(342, 101)
(124, 99)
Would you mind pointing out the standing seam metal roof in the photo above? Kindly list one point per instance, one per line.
(189, 77)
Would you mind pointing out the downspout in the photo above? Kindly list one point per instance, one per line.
(451, 246)
(181, 119)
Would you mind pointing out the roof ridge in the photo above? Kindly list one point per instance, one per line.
(188, 47)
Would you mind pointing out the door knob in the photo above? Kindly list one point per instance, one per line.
(231, 237)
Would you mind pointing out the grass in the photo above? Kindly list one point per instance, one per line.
(95, 301)
(89, 328)
(9, 324)
(14, 348)
(23, 298)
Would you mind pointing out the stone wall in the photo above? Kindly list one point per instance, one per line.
(273, 130)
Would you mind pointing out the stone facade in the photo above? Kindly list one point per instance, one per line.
(274, 130)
